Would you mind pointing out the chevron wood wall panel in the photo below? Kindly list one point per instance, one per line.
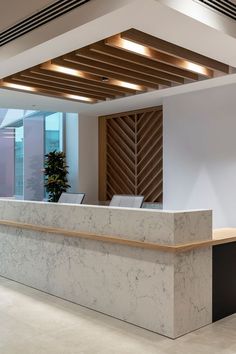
(131, 154)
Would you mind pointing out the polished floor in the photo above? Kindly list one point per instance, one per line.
(32, 322)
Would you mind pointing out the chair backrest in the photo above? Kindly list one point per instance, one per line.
(71, 198)
(127, 201)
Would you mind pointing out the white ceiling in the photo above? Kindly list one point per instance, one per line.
(99, 19)
(13, 11)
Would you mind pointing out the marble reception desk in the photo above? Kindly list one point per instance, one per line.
(151, 268)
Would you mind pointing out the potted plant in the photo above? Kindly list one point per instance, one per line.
(56, 173)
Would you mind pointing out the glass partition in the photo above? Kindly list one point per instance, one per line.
(34, 134)
(53, 132)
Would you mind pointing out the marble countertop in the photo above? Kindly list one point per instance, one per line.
(167, 231)
(145, 209)
(224, 234)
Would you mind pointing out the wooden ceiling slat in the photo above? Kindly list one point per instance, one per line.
(65, 83)
(137, 59)
(54, 88)
(166, 47)
(117, 41)
(104, 73)
(87, 53)
(125, 64)
(88, 76)
(59, 88)
(44, 92)
(71, 90)
(95, 83)
(141, 75)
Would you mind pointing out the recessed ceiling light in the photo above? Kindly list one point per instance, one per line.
(80, 98)
(18, 87)
(195, 67)
(151, 53)
(63, 70)
(133, 47)
(127, 85)
(126, 44)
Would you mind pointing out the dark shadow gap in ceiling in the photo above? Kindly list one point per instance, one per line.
(225, 7)
(40, 18)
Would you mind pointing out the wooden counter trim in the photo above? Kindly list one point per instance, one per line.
(123, 241)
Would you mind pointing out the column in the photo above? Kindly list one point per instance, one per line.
(34, 158)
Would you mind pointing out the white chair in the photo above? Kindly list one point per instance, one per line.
(72, 198)
(127, 201)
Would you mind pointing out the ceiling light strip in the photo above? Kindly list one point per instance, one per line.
(17, 86)
(153, 54)
(46, 92)
(109, 79)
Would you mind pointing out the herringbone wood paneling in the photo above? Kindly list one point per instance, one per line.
(131, 149)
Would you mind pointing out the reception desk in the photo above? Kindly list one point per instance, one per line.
(151, 268)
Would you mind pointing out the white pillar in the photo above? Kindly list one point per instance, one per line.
(34, 158)
(82, 155)
(88, 158)
(72, 150)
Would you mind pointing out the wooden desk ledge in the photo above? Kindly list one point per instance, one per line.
(220, 236)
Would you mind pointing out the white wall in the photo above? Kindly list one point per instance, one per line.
(72, 150)
(88, 158)
(82, 155)
(200, 153)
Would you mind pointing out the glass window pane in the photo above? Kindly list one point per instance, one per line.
(25, 138)
(53, 132)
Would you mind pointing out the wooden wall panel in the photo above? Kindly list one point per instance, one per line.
(130, 156)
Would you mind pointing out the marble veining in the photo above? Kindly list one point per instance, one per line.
(163, 292)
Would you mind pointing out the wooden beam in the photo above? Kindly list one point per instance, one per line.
(142, 85)
(118, 42)
(87, 53)
(86, 75)
(58, 88)
(53, 88)
(141, 75)
(137, 36)
(64, 83)
(44, 92)
(94, 83)
(113, 52)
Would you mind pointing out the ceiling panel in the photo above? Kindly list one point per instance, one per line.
(129, 63)
(224, 7)
(13, 11)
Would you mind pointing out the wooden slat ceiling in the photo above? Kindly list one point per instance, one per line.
(126, 64)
